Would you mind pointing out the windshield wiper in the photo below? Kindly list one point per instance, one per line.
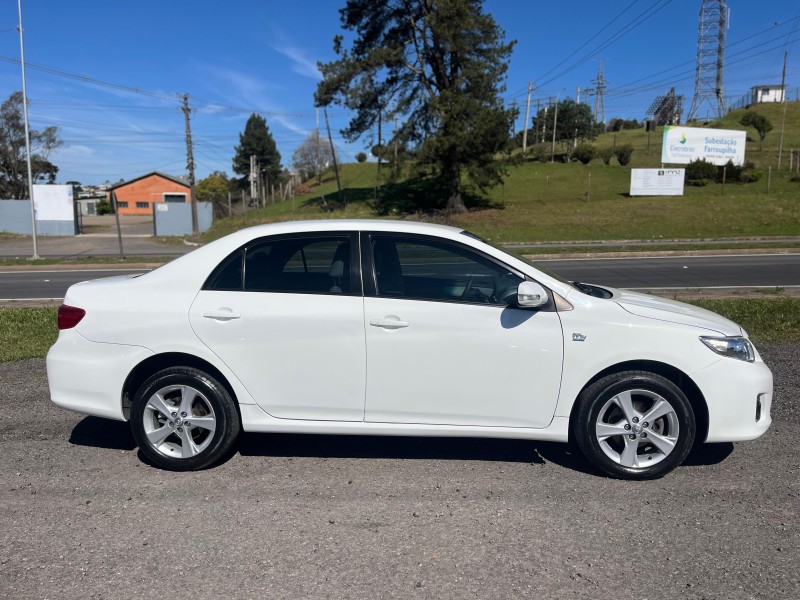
(584, 287)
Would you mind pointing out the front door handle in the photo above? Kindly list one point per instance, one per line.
(390, 322)
(223, 314)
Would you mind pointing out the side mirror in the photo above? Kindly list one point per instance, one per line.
(531, 295)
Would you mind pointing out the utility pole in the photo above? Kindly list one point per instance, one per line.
(783, 119)
(333, 153)
(190, 163)
(514, 120)
(537, 121)
(27, 133)
(527, 116)
(555, 123)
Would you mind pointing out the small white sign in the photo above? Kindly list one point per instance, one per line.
(657, 182)
(162, 207)
(53, 202)
(682, 145)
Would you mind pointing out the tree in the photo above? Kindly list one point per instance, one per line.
(256, 140)
(312, 157)
(758, 122)
(573, 121)
(214, 187)
(13, 161)
(439, 67)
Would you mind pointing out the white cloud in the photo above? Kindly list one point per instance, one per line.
(301, 63)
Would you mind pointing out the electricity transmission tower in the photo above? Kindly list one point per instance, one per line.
(599, 92)
(709, 81)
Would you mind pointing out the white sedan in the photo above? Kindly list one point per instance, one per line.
(394, 328)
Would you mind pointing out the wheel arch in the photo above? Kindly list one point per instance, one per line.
(153, 364)
(673, 374)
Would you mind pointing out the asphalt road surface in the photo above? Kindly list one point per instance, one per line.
(293, 516)
(755, 270)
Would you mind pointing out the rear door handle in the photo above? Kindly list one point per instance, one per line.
(223, 314)
(390, 322)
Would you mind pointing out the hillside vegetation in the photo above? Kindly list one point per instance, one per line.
(540, 201)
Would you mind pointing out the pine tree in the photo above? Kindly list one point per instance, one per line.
(257, 140)
(439, 67)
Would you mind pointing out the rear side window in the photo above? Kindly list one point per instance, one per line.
(312, 265)
(228, 275)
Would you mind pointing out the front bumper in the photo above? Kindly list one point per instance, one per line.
(87, 377)
(733, 390)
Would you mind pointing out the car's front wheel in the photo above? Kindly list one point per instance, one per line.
(183, 419)
(634, 425)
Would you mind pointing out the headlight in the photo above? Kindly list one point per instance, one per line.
(734, 347)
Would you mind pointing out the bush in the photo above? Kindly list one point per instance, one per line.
(701, 172)
(733, 173)
(361, 157)
(606, 154)
(539, 152)
(584, 153)
(623, 154)
(103, 207)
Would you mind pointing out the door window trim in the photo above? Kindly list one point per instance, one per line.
(369, 275)
(356, 288)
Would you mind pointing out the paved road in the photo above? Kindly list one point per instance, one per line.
(757, 270)
(295, 516)
(752, 270)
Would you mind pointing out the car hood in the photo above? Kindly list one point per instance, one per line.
(653, 307)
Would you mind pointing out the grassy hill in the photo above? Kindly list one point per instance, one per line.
(557, 202)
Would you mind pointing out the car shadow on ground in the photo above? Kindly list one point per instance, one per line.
(411, 448)
(116, 435)
(102, 433)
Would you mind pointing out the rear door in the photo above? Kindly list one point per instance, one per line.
(285, 314)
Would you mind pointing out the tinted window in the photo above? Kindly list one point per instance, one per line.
(228, 275)
(318, 265)
(438, 271)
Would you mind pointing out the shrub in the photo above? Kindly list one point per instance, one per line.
(623, 154)
(361, 157)
(701, 172)
(606, 154)
(584, 153)
(539, 152)
(733, 173)
(103, 207)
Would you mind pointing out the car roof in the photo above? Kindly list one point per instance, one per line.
(351, 225)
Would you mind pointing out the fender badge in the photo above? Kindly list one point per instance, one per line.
(578, 337)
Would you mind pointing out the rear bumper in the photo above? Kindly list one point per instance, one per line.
(87, 377)
(734, 390)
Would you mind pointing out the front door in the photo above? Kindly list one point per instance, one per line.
(443, 347)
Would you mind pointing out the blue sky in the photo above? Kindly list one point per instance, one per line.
(244, 56)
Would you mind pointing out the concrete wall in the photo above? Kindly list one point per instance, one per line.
(15, 217)
(176, 219)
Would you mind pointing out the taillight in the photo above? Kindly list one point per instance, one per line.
(69, 316)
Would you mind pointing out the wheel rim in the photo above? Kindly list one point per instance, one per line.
(179, 421)
(637, 428)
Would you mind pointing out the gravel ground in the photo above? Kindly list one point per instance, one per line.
(343, 517)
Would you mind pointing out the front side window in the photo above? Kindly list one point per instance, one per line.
(142, 205)
(432, 270)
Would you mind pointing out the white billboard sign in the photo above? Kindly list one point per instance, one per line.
(53, 203)
(682, 145)
(657, 182)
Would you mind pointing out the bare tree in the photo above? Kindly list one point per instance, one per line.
(312, 157)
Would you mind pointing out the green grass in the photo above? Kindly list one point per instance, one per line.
(767, 320)
(26, 332)
(655, 247)
(565, 202)
(89, 260)
(29, 332)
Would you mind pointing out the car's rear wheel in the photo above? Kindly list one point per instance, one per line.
(634, 425)
(183, 419)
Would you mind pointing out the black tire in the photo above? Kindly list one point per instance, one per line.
(160, 427)
(661, 443)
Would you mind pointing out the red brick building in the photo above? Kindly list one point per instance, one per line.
(137, 196)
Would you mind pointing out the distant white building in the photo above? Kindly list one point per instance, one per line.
(764, 94)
